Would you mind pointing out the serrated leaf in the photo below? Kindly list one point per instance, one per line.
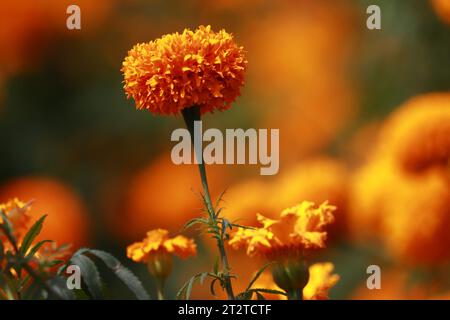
(127, 277)
(257, 275)
(59, 284)
(32, 233)
(90, 275)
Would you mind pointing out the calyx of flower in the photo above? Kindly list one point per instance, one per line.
(160, 264)
(292, 276)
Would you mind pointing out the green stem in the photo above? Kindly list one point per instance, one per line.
(191, 115)
(160, 289)
(295, 294)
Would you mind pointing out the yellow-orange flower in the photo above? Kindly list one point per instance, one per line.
(178, 71)
(402, 194)
(17, 213)
(158, 241)
(321, 280)
(299, 228)
(417, 136)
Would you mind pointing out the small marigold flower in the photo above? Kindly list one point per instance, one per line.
(321, 280)
(177, 71)
(17, 213)
(299, 228)
(158, 241)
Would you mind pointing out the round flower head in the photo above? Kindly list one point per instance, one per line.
(299, 228)
(417, 135)
(195, 68)
(158, 241)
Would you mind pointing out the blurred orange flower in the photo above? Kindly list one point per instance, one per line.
(417, 136)
(442, 8)
(17, 213)
(158, 241)
(66, 220)
(303, 74)
(402, 195)
(150, 201)
(317, 179)
(29, 26)
(179, 71)
(299, 228)
(321, 280)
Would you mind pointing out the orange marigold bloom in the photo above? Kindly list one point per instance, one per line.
(158, 241)
(418, 134)
(299, 228)
(178, 71)
(17, 213)
(321, 280)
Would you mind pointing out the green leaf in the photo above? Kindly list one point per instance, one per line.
(203, 277)
(216, 265)
(263, 290)
(31, 235)
(246, 295)
(59, 285)
(193, 222)
(220, 198)
(189, 287)
(36, 247)
(211, 287)
(257, 275)
(7, 228)
(90, 275)
(260, 296)
(127, 277)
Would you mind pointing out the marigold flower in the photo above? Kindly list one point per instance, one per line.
(177, 71)
(417, 135)
(67, 219)
(402, 194)
(158, 241)
(17, 213)
(321, 280)
(299, 228)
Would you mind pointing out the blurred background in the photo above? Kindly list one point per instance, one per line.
(364, 119)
